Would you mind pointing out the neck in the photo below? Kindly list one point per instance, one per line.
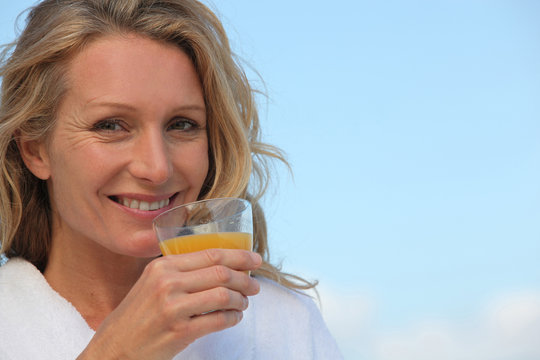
(92, 278)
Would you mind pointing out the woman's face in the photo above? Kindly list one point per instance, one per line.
(129, 143)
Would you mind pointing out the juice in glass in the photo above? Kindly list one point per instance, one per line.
(197, 242)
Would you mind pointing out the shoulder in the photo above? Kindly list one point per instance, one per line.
(276, 297)
(35, 321)
(21, 279)
(14, 270)
(276, 303)
(290, 323)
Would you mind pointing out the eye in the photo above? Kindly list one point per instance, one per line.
(109, 125)
(182, 124)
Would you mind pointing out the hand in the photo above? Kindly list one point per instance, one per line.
(177, 299)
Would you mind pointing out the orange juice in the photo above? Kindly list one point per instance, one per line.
(221, 240)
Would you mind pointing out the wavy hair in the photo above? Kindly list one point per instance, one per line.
(33, 83)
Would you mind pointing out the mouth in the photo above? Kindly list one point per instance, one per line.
(141, 204)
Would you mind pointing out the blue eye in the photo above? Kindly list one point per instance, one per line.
(108, 125)
(181, 125)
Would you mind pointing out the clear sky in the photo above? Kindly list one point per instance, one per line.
(413, 130)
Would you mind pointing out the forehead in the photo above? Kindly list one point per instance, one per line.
(129, 67)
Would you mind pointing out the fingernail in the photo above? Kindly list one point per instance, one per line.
(239, 315)
(257, 259)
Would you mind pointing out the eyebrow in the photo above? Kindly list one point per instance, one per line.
(131, 108)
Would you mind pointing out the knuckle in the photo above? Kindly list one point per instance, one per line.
(213, 255)
(167, 310)
(223, 296)
(163, 285)
(156, 266)
(223, 274)
(182, 332)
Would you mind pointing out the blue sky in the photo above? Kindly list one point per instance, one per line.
(412, 129)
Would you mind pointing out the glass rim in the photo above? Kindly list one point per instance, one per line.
(194, 203)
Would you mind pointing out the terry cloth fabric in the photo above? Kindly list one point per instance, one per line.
(37, 323)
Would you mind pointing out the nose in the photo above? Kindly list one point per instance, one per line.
(151, 161)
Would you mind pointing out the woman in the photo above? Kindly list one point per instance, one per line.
(114, 111)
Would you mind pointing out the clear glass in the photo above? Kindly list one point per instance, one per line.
(225, 223)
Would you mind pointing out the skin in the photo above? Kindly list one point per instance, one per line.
(132, 126)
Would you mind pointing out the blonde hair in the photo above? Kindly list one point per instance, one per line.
(33, 82)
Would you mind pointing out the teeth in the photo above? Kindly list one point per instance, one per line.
(134, 204)
(143, 205)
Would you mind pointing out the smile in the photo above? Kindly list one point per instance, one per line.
(141, 205)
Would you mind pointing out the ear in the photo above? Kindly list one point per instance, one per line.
(35, 156)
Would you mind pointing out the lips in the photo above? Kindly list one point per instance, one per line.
(141, 204)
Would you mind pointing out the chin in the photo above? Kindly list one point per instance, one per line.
(147, 254)
(143, 247)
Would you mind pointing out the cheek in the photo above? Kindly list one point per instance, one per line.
(80, 164)
(80, 171)
(190, 163)
(202, 164)
(62, 173)
(67, 176)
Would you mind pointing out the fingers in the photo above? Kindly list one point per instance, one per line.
(206, 291)
(217, 299)
(216, 320)
(207, 269)
(218, 276)
(235, 259)
(179, 298)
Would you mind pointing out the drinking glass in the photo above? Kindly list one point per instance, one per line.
(225, 223)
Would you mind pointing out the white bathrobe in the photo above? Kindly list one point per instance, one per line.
(37, 323)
